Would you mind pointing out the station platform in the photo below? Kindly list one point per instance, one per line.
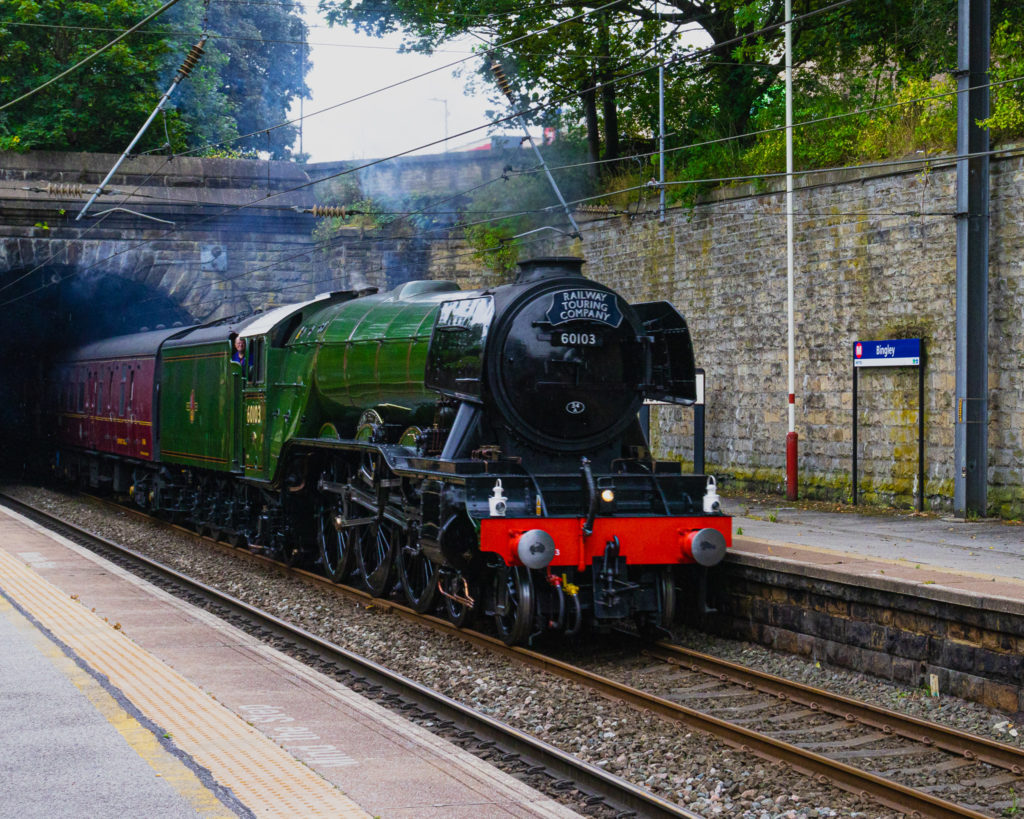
(117, 699)
(981, 559)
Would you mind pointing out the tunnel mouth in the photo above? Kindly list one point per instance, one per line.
(48, 310)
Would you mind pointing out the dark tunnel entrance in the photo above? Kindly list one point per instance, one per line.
(52, 309)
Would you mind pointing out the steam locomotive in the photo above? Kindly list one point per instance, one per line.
(481, 450)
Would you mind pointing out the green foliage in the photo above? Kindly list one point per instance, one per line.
(98, 108)
(523, 201)
(922, 121)
(366, 213)
(243, 83)
(493, 249)
(260, 69)
(223, 152)
(12, 143)
(871, 77)
(1007, 104)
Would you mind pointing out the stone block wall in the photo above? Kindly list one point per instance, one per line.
(874, 259)
(893, 629)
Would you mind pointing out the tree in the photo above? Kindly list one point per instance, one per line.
(254, 65)
(599, 61)
(572, 65)
(261, 64)
(101, 106)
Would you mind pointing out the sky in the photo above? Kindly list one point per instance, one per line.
(346, 65)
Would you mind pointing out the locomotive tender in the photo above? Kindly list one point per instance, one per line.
(482, 448)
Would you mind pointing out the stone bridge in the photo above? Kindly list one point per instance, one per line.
(205, 238)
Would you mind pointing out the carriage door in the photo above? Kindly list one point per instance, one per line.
(254, 400)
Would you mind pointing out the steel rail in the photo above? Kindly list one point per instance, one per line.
(614, 790)
(974, 748)
(825, 770)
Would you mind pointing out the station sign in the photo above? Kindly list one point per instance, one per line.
(894, 352)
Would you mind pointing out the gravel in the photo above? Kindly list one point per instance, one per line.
(688, 767)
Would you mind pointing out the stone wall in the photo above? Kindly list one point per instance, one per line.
(891, 628)
(426, 174)
(875, 259)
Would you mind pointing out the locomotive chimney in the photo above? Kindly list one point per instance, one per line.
(549, 267)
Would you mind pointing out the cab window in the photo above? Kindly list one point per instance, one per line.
(256, 368)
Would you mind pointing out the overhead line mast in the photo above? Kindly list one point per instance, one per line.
(186, 68)
(506, 89)
(791, 436)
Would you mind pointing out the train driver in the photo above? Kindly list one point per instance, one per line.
(238, 353)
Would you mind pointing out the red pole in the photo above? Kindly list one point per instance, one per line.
(791, 439)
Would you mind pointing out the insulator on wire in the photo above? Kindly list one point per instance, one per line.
(499, 75)
(64, 189)
(329, 210)
(191, 59)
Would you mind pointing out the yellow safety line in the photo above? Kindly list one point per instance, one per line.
(139, 738)
(261, 774)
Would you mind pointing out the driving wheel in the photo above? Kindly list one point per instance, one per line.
(513, 604)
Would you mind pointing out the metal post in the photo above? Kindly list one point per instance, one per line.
(919, 500)
(791, 436)
(661, 142)
(302, 99)
(854, 467)
(444, 102)
(186, 67)
(970, 448)
(506, 89)
(698, 426)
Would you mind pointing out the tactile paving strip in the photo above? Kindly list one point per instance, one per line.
(260, 773)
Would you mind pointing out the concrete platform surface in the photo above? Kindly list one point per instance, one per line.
(72, 747)
(251, 731)
(984, 558)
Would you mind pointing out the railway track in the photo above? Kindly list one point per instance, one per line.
(898, 761)
(397, 691)
(895, 758)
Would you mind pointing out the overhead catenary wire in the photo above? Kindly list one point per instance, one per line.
(590, 225)
(505, 119)
(93, 55)
(636, 156)
(707, 142)
(489, 52)
(542, 106)
(916, 160)
(346, 102)
(617, 79)
(363, 96)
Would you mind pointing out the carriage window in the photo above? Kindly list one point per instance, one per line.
(131, 389)
(81, 396)
(124, 376)
(98, 408)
